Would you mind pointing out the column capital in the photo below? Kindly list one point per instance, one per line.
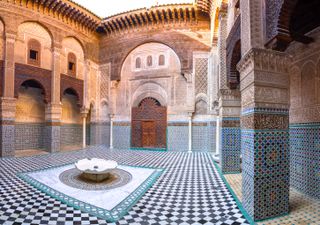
(84, 112)
(265, 60)
(190, 114)
(264, 79)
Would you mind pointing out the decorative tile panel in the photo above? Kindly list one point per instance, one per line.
(305, 158)
(230, 145)
(178, 134)
(29, 136)
(265, 163)
(121, 136)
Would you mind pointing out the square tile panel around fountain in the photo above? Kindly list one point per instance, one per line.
(108, 200)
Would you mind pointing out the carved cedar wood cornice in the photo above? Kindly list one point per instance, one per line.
(155, 16)
(64, 10)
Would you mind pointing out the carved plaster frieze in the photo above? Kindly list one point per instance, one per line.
(305, 114)
(264, 60)
(265, 121)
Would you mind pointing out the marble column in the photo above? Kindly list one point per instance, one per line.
(217, 136)
(264, 133)
(52, 129)
(84, 114)
(8, 102)
(190, 133)
(111, 131)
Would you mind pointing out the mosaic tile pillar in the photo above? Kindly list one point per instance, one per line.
(53, 128)
(7, 128)
(229, 134)
(230, 145)
(264, 133)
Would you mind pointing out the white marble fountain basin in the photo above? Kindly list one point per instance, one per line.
(95, 165)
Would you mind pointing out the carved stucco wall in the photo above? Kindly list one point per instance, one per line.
(201, 84)
(70, 110)
(165, 83)
(70, 44)
(32, 30)
(305, 81)
(30, 107)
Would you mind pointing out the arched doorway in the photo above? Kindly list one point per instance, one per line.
(149, 124)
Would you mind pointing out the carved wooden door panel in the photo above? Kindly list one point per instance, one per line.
(148, 134)
(149, 125)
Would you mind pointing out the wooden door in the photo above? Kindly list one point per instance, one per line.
(148, 134)
(149, 124)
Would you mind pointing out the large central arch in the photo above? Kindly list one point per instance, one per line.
(149, 124)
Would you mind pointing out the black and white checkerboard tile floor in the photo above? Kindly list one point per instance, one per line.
(190, 191)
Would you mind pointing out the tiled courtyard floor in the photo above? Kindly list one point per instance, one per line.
(303, 209)
(190, 191)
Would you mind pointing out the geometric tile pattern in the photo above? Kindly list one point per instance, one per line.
(230, 146)
(203, 138)
(29, 136)
(71, 134)
(303, 209)
(7, 140)
(105, 133)
(305, 158)
(201, 73)
(178, 137)
(190, 191)
(121, 137)
(265, 166)
(52, 137)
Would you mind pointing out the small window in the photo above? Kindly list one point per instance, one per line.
(161, 60)
(138, 63)
(72, 64)
(34, 50)
(33, 54)
(149, 60)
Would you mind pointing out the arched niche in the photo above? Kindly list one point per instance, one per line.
(72, 47)
(36, 32)
(149, 54)
(30, 116)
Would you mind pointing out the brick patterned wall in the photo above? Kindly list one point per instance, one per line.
(305, 158)
(71, 134)
(29, 136)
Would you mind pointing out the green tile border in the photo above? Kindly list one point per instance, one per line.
(239, 204)
(109, 215)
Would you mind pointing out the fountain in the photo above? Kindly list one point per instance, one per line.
(96, 170)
